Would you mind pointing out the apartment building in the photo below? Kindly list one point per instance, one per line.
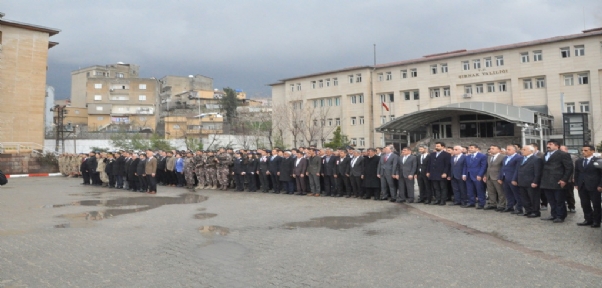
(23, 65)
(515, 92)
(197, 127)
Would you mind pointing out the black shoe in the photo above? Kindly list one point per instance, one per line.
(585, 223)
(420, 201)
(507, 210)
(468, 206)
(558, 220)
(596, 225)
(442, 204)
(391, 200)
(480, 208)
(400, 201)
(548, 218)
(572, 210)
(435, 203)
(533, 215)
(517, 212)
(489, 208)
(499, 209)
(426, 203)
(410, 201)
(454, 204)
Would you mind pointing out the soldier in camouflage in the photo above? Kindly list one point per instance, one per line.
(224, 160)
(210, 170)
(199, 161)
(189, 167)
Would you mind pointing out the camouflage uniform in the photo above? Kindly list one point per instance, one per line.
(61, 164)
(223, 169)
(200, 170)
(75, 165)
(189, 172)
(211, 172)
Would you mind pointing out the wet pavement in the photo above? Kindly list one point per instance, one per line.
(51, 236)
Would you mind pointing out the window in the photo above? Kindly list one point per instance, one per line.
(322, 102)
(98, 108)
(358, 78)
(444, 68)
(360, 98)
(583, 79)
(406, 95)
(468, 89)
(350, 78)
(361, 120)
(380, 77)
(298, 86)
(502, 86)
(321, 83)
(329, 121)
(565, 52)
(434, 69)
(579, 50)
(353, 120)
(391, 98)
(176, 127)
(537, 56)
(100, 118)
(354, 141)
(435, 92)
(142, 98)
(337, 101)
(97, 97)
(541, 82)
(337, 121)
(416, 95)
(479, 88)
(142, 86)
(383, 119)
(327, 82)
(404, 74)
(315, 103)
(465, 65)
(476, 63)
(499, 60)
(98, 86)
(389, 76)
(488, 62)
(292, 87)
(392, 117)
(119, 75)
(490, 87)
(313, 84)
(524, 57)
(527, 84)
(335, 82)
(329, 101)
(362, 142)
(584, 107)
(568, 80)
(446, 91)
(413, 73)
(570, 107)
(353, 99)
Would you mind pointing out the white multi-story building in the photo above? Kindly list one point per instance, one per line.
(503, 94)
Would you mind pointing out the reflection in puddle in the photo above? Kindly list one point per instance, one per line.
(347, 222)
(214, 230)
(204, 215)
(124, 205)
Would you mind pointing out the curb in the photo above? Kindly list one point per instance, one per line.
(32, 175)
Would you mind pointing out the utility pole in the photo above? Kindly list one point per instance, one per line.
(59, 119)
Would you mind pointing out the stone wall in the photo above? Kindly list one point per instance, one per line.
(23, 164)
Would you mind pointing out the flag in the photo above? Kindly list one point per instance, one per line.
(385, 105)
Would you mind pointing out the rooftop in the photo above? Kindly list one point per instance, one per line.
(50, 31)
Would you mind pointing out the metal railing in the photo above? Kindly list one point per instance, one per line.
(23, 147)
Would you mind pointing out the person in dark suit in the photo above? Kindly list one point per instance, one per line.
(457, 169)
(328, 172)
(424, 185)
(510, 164)
(370, 180)
(355, 172)
(588, 180)
(557, 170)
(437, 172)
(343, 183)
(132, 178)
(262, 171)
(570, 187)
(314, 167)
(476, 166)
(404, 173)
(285, 173)
(92, 164)
(300, 173)
(386, 169)
(162, 168)
(83, 168)
(119, 169)
(238, 171)
(141, 174)
(528, 177)
(274, 164)
(539, 154)
(251, 171)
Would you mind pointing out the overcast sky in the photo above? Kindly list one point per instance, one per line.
(249, 44)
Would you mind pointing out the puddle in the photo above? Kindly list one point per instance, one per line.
(124, 205)
(91, 194)
(204, 215)
(348, 222)
(214, 230)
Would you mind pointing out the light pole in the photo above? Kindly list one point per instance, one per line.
(75, 139)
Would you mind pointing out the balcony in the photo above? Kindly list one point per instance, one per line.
(119, 90)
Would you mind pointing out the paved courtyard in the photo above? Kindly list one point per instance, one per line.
(57, 233)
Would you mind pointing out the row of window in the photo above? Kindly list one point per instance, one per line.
(140, 86)
(479, 88)
(582, 79)
(583, 107)
(488, 61)
(119, 98)
(105, 74)
(360, 143)
(334, 101)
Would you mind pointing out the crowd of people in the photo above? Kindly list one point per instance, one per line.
(513, 179)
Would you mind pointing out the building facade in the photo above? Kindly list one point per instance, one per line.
(463, 92)
(23, 64)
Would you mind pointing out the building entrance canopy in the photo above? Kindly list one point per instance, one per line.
(418, 119)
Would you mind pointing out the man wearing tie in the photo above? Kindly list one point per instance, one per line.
(437, 172)
(557, 170)
(273, 169)
(497, 198)
(385, 170)
(424, 185)
(527, 177)
(507, 171)
(588, 180)
(476, 166)
(356, 172)
(456, 171)
(405, 171)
